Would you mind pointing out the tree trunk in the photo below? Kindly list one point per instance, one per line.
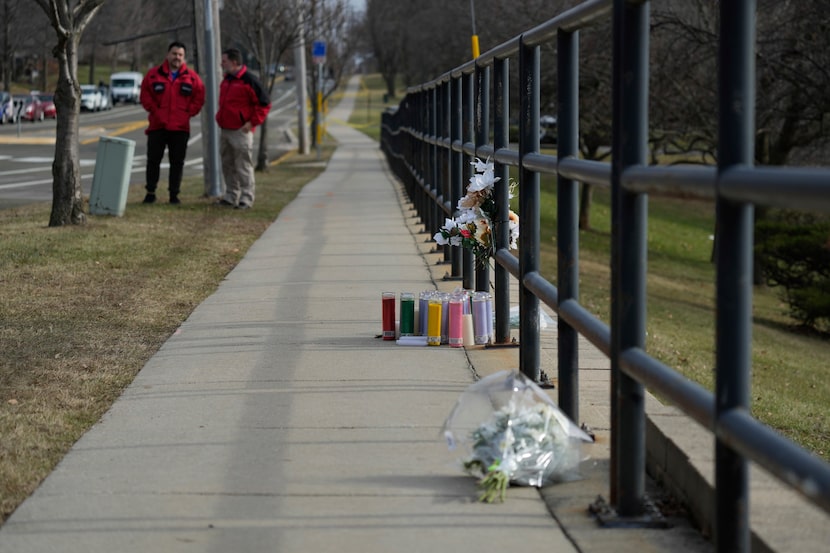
(67, 194)
(262, 156)
(585, 206)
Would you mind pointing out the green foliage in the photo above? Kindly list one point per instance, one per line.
(793, 250)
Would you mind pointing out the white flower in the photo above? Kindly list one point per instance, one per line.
(482, 181)
(482, 166)
(440, 239)
(467, 216)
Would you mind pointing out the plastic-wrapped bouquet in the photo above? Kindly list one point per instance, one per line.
(513, 433)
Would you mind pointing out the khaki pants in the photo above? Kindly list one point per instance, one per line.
(236, 148)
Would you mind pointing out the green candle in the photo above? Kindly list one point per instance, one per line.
(407, 314)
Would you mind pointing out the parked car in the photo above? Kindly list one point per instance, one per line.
(90, 97)
(48, 101)
(106, 97)
(32, 108)
(6, 108)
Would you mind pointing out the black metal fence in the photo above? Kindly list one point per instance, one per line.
(442, 124)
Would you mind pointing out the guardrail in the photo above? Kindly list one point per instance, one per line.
(441, 125)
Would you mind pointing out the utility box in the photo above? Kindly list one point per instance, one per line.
(111, 181)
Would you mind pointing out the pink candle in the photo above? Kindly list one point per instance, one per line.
(456, 332)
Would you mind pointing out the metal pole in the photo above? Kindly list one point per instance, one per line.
(212, 105)
(476, 51)
(529, 210)
(481, 128)
(501, 139)
(629, 216)
(302, 91)
(455, 114)
(736, 94)
(318, 122)
(567, 219)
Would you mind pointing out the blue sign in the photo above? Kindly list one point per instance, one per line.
(318, 49)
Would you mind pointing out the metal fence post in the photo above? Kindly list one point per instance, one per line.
(567, 219)
(736, 83)
(468, 132)
(501, 139)
(629, 240)
(481, 131)
(529, 210)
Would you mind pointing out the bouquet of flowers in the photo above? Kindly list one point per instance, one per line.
(514, 433)
(472, 227)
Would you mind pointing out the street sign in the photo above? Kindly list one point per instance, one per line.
(318, 52)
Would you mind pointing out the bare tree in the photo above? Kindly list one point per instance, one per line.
(385, 24)
(792, 57)
(69, 19)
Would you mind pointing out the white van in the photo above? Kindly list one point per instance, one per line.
(125, 87)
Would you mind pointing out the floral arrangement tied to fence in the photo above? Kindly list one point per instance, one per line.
(472, 227)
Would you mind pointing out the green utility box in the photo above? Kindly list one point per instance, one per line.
(111, 180)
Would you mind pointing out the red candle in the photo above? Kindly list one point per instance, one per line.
(388, 315)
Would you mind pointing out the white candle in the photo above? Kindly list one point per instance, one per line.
(469, 337)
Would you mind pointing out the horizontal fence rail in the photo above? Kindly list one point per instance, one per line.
(442, 125)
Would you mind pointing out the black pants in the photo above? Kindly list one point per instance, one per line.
(176, 144)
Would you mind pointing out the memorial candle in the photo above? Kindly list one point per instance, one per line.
(407, 314)
(456, 332)
(445, 316)
(388, 299)
(481, 322)
(423, 311)
(434, 322)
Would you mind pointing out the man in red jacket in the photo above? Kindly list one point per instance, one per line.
(243, 105)
(171, 93)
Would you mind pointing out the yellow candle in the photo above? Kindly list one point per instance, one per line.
(434, 323)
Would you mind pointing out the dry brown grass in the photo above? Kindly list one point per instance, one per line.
(83, 308)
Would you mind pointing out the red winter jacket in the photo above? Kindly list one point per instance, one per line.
(241, 99)
(171, 103)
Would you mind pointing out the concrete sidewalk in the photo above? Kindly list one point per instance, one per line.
(275, 420)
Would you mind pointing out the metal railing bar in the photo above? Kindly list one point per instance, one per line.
(484, 152)
(541, 163)
(507, 157)
(574, 19)
(541, 288)
(793, 465)
(597, 173)
(801, 188)
(692, 398)
(692, 181)
(508, 261)
(588, 324)
(469, 148)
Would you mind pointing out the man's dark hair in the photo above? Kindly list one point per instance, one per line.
(177, 44)
(234, 55)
